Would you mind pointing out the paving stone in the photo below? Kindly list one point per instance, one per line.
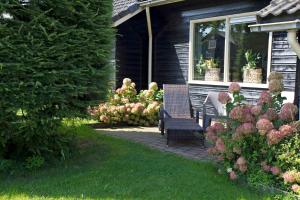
(151, 137)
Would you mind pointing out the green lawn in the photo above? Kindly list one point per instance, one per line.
(108, 168)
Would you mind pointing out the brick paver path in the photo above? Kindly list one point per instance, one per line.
(150, 136)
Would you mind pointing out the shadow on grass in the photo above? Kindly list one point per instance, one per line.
(109, 168)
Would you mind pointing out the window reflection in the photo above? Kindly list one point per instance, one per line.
(209, 51)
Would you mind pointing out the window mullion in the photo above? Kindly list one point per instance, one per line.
(227, 50)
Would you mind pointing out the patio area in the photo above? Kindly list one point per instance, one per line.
(151, 137)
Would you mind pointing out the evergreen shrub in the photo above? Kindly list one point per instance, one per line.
(54, 62)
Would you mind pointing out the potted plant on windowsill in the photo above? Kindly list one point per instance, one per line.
(212, 71)
(252, 73)
(208, 68)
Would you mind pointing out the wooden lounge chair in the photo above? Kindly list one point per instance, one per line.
(217, 110)
(176, 116)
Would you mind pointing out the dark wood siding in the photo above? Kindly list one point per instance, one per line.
(132, 51)
(284, 60)
(171, 47)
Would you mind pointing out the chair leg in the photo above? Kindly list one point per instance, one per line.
(203, 138)
(162, 128)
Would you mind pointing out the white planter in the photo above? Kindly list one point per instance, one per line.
(252, 76)
(212, 74)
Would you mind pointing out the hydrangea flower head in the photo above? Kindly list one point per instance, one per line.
(288, 112)
(276, 86)
(275, 76)
(275, 170)
(126, 81)
(220, 146)
(265, 166)
(289, 176)
(274, 137)
(286, 130)
(224, 97)
(256, 110)
(233, 176)
(264, 125)
(265, 98)
(234, 88)
(153, 86)
(296, 188)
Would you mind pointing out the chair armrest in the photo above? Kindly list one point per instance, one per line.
(197, 112)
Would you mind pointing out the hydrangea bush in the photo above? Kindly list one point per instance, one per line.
(259, 143)
(125, 106)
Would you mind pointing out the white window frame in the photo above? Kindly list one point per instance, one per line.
(225, 81)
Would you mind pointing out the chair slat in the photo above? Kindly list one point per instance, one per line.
(176, 101)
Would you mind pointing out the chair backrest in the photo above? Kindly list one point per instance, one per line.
(177, 101)
(212, 98)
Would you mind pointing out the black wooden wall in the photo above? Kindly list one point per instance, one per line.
(284, 60)
(171, 46)
(132, 51)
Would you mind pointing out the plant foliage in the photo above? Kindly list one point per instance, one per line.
(259, 142)
(54, 61)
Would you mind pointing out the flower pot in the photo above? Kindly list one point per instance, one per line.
(212, 74)
(252, 76)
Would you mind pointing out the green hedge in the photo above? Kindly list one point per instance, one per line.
(54, 62)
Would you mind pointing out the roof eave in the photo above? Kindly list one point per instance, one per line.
(151, 3)
(276, 26)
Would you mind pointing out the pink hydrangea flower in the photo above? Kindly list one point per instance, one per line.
(241, 113)
(243, 168)
(276, 86)
(220, 146)
(236, 113)
(218, 127)
(246, 128)
(296, 188)
(271, 114)
(264, 125)
(242, 164)
(211, 136)
(275, 170)
(224, 97)
(210, 129)
(256, 110)
(288, 112)
(234, 87)
(248, 117)
(241, 161)
(286, 130)
(237, 135)
(274, 137)
(265, 97)
(289, 176)
(232, 175)
(265, 166)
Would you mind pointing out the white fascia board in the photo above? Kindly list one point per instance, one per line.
(127, 17)
(273, 27)
(151, 3)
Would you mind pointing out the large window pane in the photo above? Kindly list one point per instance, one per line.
(243, 41)
(209, 45)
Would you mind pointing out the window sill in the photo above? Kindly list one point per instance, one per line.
(216, 83)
